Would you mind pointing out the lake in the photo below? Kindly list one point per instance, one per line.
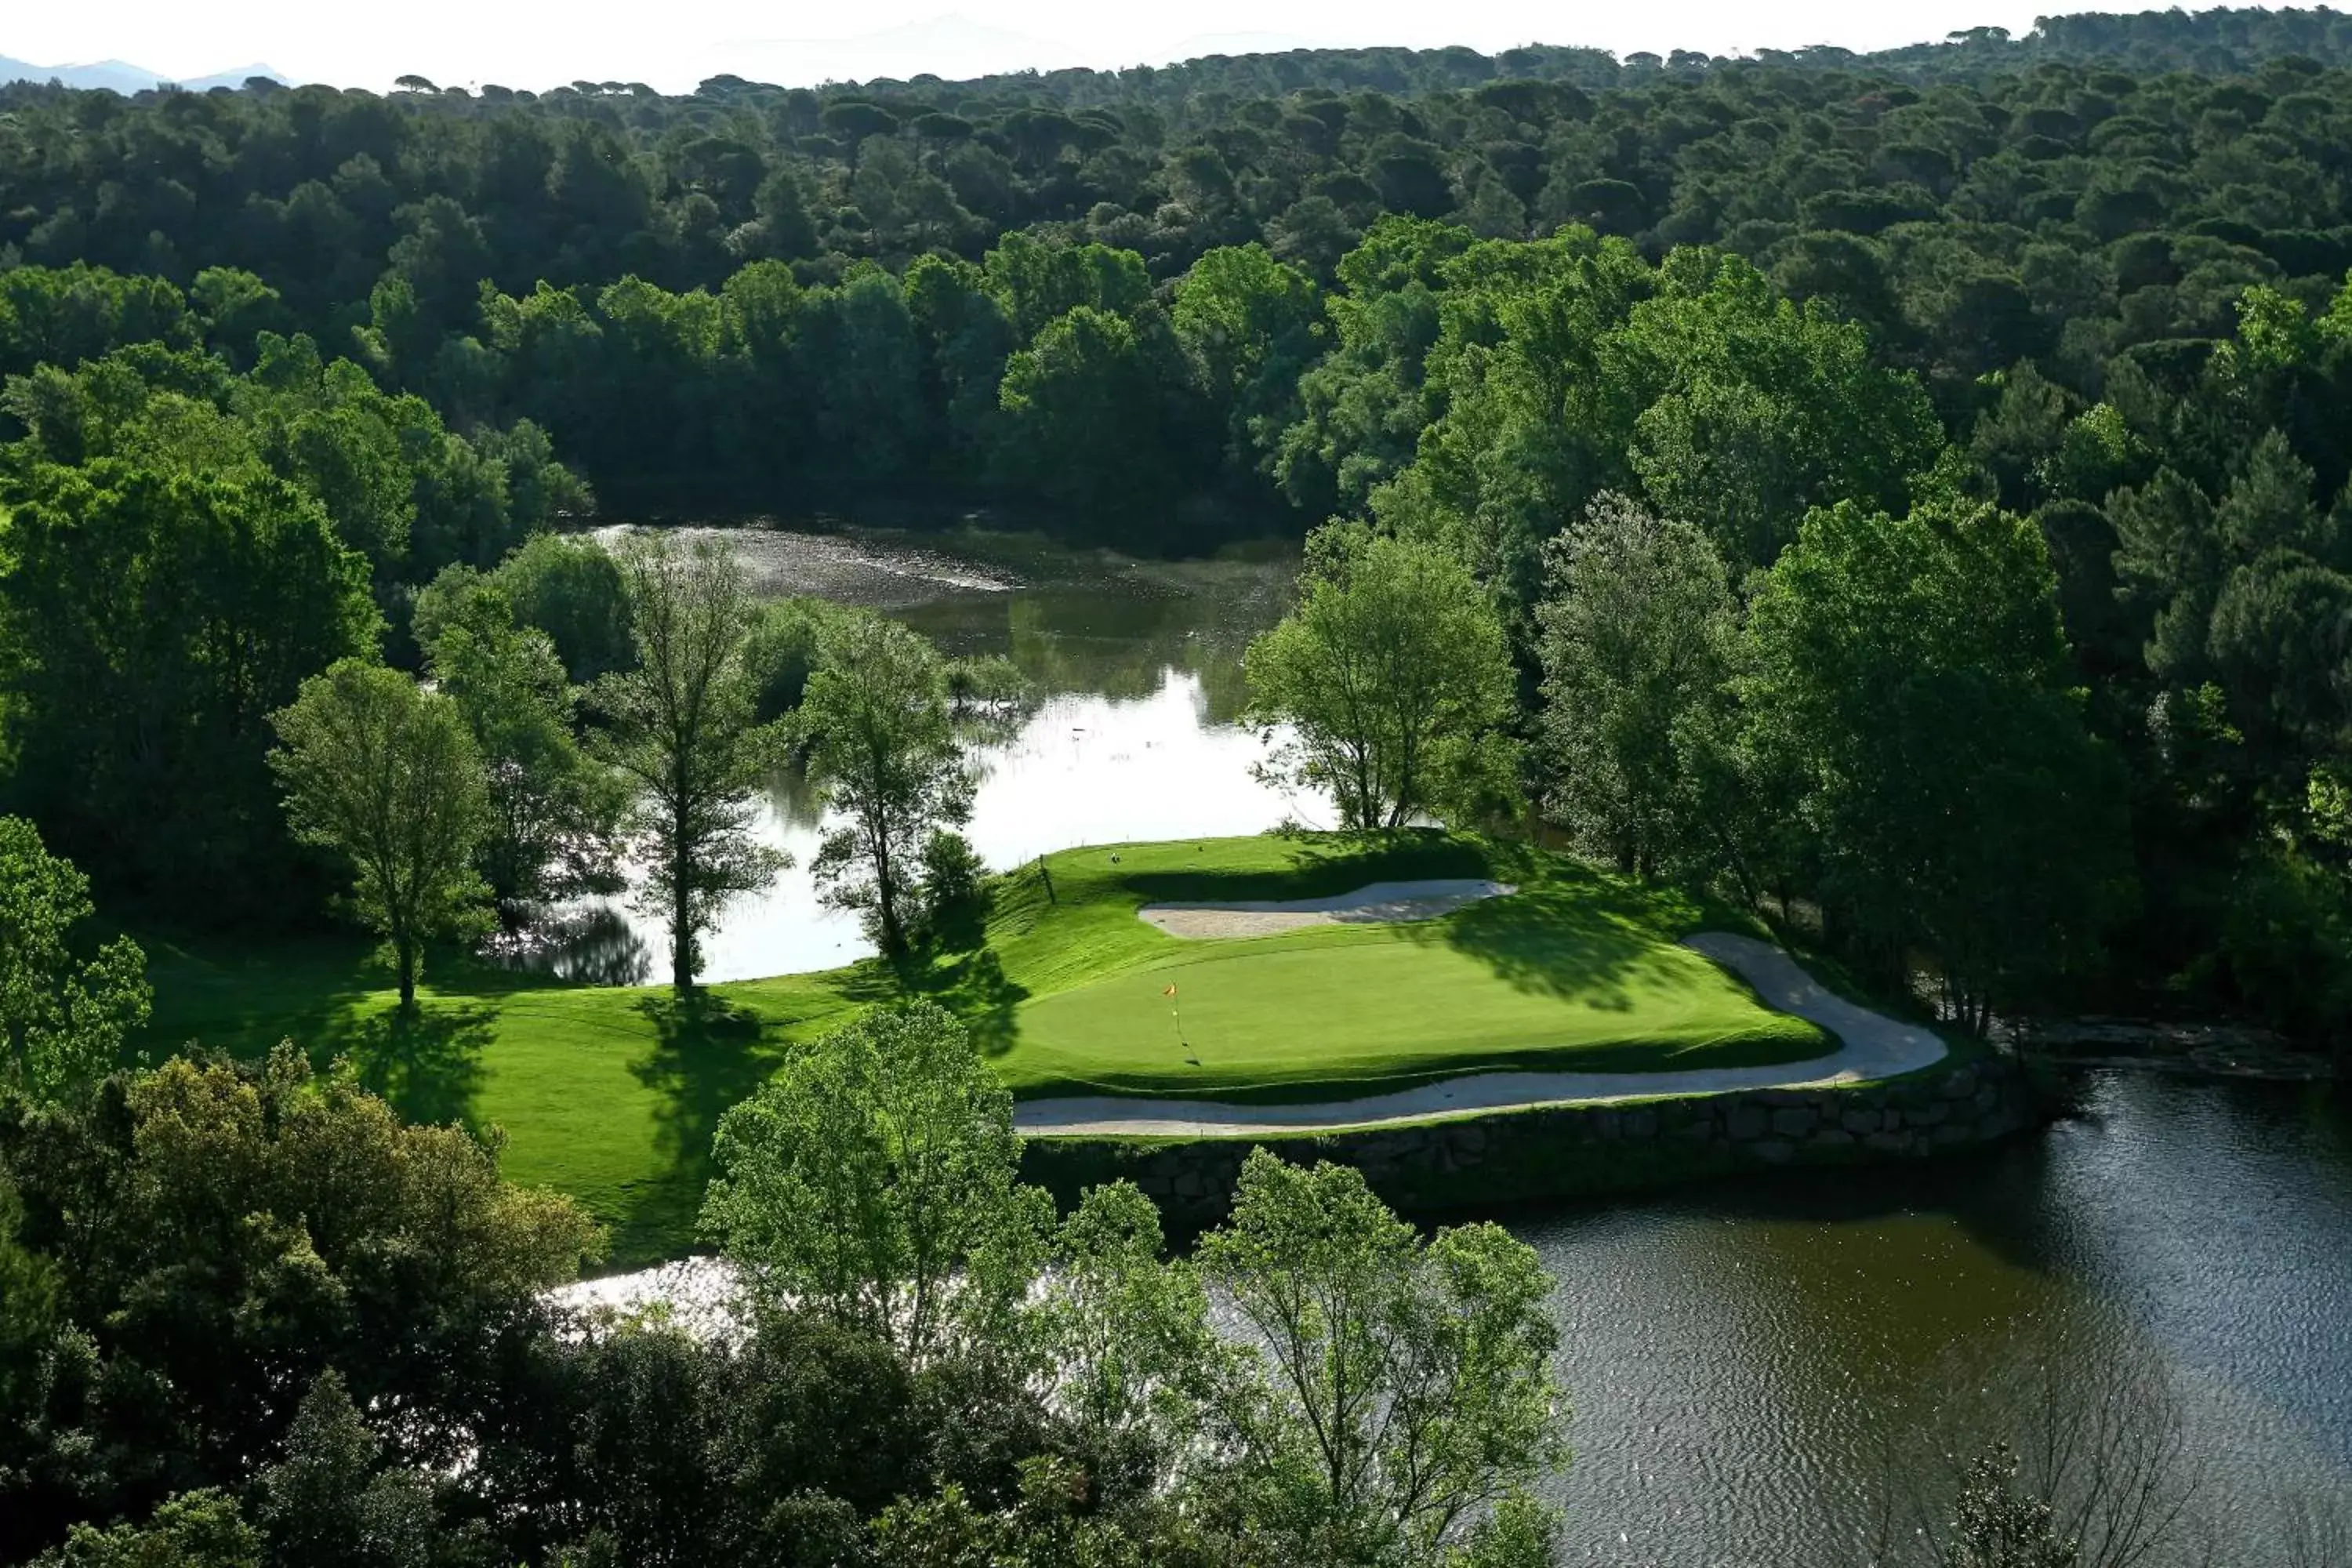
(1747, 1363)
(1139, 665)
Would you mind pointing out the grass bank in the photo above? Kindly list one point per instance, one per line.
(611, 1095)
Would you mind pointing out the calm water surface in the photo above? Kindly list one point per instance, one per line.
(1140, 663)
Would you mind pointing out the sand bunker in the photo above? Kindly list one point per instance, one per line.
(1383, 903)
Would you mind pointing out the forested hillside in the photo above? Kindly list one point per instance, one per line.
(1972, 205)
(2091, 278)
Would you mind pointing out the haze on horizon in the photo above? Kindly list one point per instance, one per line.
(470, 44)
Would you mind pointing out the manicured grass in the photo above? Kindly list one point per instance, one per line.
(1347, 1011)
(608, 1095)
(1575, 970)
(612, 1094)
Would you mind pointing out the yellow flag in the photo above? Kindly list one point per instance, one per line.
(1171, 991)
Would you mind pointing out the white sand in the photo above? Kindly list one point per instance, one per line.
(1872, 1046)
(1383, 903)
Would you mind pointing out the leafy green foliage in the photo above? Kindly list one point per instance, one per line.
(329, 1502)
(572, 590)
(150, 623)
(220, 1237)
(1636, 645)
(886, 759)
(63, 1017)
(553, 814)
(1398, 1389)
(200, 1529)
(1908, 677)
(871, 1183)
(1392, 676)
(1081, 409)
(683, 731)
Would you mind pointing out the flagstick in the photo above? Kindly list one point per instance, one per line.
(1176, 1017)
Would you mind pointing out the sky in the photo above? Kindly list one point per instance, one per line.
(675, 44)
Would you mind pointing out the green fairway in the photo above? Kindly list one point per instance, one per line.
(608, 1095)
(612, 1094)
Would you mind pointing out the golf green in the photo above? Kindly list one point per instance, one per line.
(1353, 1010)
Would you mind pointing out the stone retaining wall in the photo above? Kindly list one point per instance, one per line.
(1575, 1151)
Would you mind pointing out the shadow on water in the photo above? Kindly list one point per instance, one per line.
(593, 946)
(427, 1063)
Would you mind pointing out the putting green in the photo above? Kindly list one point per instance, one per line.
(1357, 1009)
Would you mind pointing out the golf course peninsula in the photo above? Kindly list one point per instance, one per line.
(1468, 1019)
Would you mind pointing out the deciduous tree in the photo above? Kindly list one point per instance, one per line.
(886, 759)
(1635, 640)
(683, 730)
(150, 623)
(554, 816)
(385, 776)
(872, 1182)
(63, 1017)
(222, 1235)
(1392, 678)
(1399, 1390)
(1908, 677)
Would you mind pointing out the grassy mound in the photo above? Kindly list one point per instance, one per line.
(612, 1094)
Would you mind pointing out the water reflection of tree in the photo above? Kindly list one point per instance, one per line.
(2090, 1416)
(1129, 660)
(1115, 629)
(593, 945)
(794, 798)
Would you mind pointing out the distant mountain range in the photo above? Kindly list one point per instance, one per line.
(125, 78)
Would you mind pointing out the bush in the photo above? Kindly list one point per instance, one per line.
(2286, 945)
(954, 886)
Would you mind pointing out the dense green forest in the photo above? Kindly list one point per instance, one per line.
(278, 358)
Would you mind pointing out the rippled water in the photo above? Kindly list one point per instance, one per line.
(1750, 1366)
(1140, 661)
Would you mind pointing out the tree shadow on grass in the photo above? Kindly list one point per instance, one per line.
(706, 1055)
(1324, 864)
(243, 999)
(1576, 935)
(979, 993)
(971, 984)
(427, 1062)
